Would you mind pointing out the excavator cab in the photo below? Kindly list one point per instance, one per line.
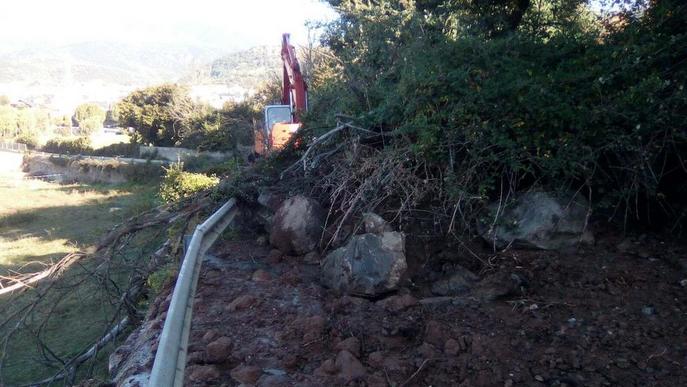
(277, 129)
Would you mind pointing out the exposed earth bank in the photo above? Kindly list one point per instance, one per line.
(612, 314)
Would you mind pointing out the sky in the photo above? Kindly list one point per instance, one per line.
(225, 24)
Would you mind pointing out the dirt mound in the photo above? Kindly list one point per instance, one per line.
(591, 318)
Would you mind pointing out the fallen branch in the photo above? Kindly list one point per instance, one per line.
(25, 281)
(72, 365)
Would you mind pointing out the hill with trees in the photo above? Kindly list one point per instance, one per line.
(248, 69)
(116, 63)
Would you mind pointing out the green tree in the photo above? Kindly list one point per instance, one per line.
(8, 121)
(26, 121)
(112, 116)
(160, 115)
(89, 117)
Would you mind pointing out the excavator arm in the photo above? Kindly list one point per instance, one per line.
(295, 90)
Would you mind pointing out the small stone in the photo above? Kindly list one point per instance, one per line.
(205, 374)
(328, 367)
(375, 224)
(274, 256)
(376, 359)
(622, 363)
(210, 335)
(642, 253)
(648, 311)
(274, 381)
(262, 240)
(242, 302)
(196, 357)
(451, 347)
(351, 344)
(539, 378)
(219, 350)
(246, 374)
(683, 283)
(313, 328)
(625, 246)
(459, 283)
(312, 258)
(261, 276)
(274, 371)
(428, 351)
(434, 333)
(398, 303)
(349, 367)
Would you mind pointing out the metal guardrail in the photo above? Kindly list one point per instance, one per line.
(170, 359)
(12, 146)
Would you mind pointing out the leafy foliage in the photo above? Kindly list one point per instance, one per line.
(500, 96)
(89, 117)
(167, 116)
(178, 184)
(69, 146)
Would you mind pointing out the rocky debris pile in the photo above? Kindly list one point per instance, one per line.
(538, 220)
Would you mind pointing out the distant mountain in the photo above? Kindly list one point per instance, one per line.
(112, 63)
(246, 69)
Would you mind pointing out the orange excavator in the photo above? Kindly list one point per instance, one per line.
(282, 121)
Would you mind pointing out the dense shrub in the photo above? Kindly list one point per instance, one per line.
(77, 146)
(178, 184)
(143, 173)
(118, 150)
(30, 139)
(561, 106)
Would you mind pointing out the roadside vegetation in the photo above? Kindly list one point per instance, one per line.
(463, 103)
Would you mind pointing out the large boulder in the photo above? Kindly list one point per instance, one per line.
(297, 226)
(538, 220)
(369, 264)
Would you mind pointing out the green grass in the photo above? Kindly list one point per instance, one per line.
(39, 223)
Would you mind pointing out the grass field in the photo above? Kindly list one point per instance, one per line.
(39, 223)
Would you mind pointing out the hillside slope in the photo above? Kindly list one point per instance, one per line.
(117, 63)
(247, 69)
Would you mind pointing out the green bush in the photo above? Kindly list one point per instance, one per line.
(143, 173)
(30, 139)
(78, 146)
(178, 184)
(484, 114)
(121, 149)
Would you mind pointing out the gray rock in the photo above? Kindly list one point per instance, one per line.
(538, 220)
(368, 265)
(375, 224)
(297, 226)
(459, 283)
